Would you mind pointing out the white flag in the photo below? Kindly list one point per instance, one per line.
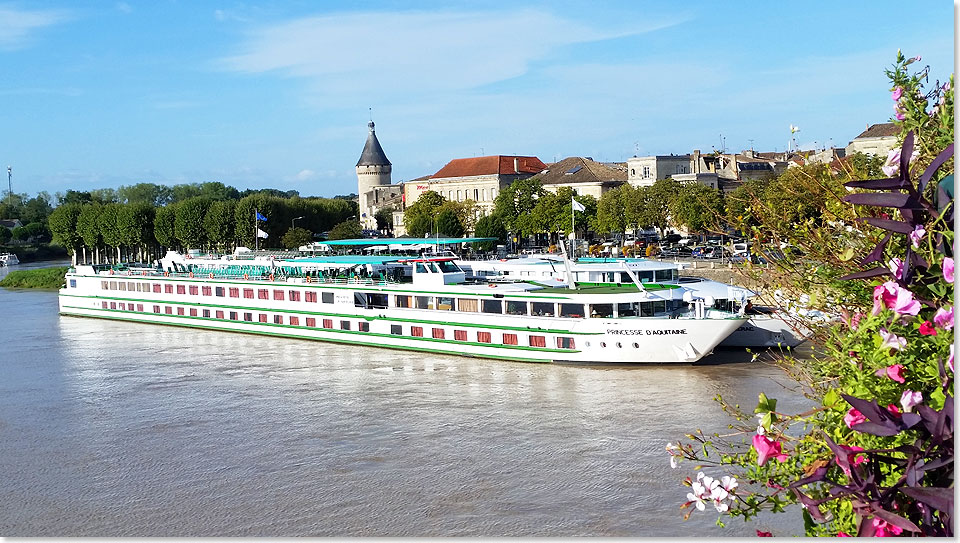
(577, 206)
(261, 233)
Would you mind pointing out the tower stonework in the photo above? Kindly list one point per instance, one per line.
(373, 170)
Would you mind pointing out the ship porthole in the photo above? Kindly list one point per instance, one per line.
(636, 345)
(587, 343)
(603, 344)
(619, 346)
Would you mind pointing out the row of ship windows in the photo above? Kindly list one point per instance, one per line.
(311, 322)
(376, 300)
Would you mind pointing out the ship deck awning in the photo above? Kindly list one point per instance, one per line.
(364, 242)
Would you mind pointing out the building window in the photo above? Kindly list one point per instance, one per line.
(459, 197)
(438, 333)
(168, 310)
(424, 302)
(460, 335)
(633, 172)
(156, 309)
(646, 172)
(467, 304)
(113, 305)
(444, 303)
(403, 300)
(140, 308)
(396, 329)
(310, 297)
(416, 331)
(476, 195)
(311, 322)
(294, 295)
(565, 343)
(509, 339)
(278, 295)
(233, 315)
(484, 337)
(538, 341)
(248, 317)
(294, 321)
(516, 308)
(571, 311)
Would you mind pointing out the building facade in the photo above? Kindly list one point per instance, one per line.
(373, 174)
(877, 139)
(478, 179)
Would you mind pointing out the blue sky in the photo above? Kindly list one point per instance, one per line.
(277, 93)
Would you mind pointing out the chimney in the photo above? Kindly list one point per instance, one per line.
(516, 164)
(696, 161)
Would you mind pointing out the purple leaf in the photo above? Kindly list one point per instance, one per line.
(935, 165)
(905, 152)
(937, 497)
(876, 429)
(877, 253)
(877, 184)
(813, 506)
(818, 475)
(875, 272)
(870, 409)
(896, 520)
(899, 227)
(883, 199)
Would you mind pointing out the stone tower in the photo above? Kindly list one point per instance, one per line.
(373, 170)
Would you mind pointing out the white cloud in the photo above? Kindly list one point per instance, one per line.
(415, 50)
(18, 25)
(124, 7)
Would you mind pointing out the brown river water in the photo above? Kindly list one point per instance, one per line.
(131, 430)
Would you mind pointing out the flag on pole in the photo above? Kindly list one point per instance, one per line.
(260, 217)
(577, 206)
(261, 233)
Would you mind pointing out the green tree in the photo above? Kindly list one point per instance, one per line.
(88, 226)
(349, 229)
(270, 207)
(164, 223)
(490, 226)
(219, 223)
(611, 212)
(104, 196)
(296, 237)
(63, 226)
(136, 224)
(515, 204)
(654, 208)
(189, 222)
(110, 230)
(184, 191)
(384, 218)
(697, 207)
(36, 209)
(145, 193)
(74, 197)
(448, 224)
(216, 190)
(5, 235)
(418, 219)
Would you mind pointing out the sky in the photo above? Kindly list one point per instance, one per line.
(277, 94)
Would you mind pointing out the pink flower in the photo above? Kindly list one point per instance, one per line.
(843, 534)
(948, 269)
(853, 417)
(899, 115)
(890, 295)
(905, 304)
(892, 166)
(927, 329)
(885, 529)
(852, 457)
(893, 410)
(892, 341)
(855, 320)
(764, 534)
(894, 372)
(909, 399)
(767, 448)
(950, 360)
(944, 318)
(897, 93)
(917, 235)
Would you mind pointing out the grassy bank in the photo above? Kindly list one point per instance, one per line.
(48, 278)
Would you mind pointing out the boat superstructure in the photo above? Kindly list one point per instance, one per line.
(423, 304)
(8, 259)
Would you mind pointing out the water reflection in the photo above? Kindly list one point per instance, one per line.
(136, 430)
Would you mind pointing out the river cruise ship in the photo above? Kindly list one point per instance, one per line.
(766, 327)
(413, 303)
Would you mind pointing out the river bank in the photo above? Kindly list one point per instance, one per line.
(41, 278)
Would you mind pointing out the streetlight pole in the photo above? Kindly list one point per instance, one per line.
(294, 221)
(10, 185)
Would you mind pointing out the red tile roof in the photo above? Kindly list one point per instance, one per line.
(489, 165)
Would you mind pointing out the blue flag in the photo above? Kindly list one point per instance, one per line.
(260, 217)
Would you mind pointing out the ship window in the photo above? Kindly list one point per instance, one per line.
(168, 289)
(278, 319)
(122, 285)
(294, 321)
(403, 300)
(376, 300)
(278, 295)
(424, 302)
(326, 297)
(219, 314)
(194, 290)
(73, 283)
(140, 307)
(344, 325)
(421, 268)
(445, 303)
(328, 323)
(627, 310)
(157, 288)
(248, 317)
(168, 310)
(565, 343)
(181, 289)
(113, 285)
(571, 311)
(219, 291)
(156, 309)
(105, 285)
(207, 291)
(509, 339)
(263, 294)
(438, 333)
(416, 331)
(646, 309)
(234, 292)
(233, 315)
(311, 322)
(538, 341)
(248, 293)
(460, 335)
(396, 329)
(113, 305)
(516, 308)
(645, 276)
(363, 326)
(484, 337)
(659, 306)
(542, 309)
(294, 295)
(467, 304)
(206, 313)
(663, 275)
(601, 311)
(492, 306)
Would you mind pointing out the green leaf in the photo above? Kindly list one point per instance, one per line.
(831, 398)
(847, 254)
(765, 405)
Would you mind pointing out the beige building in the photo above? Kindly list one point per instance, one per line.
(585, 176)
(877, 139)
(373, 180)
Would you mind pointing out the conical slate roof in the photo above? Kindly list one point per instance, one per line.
(372, 154)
